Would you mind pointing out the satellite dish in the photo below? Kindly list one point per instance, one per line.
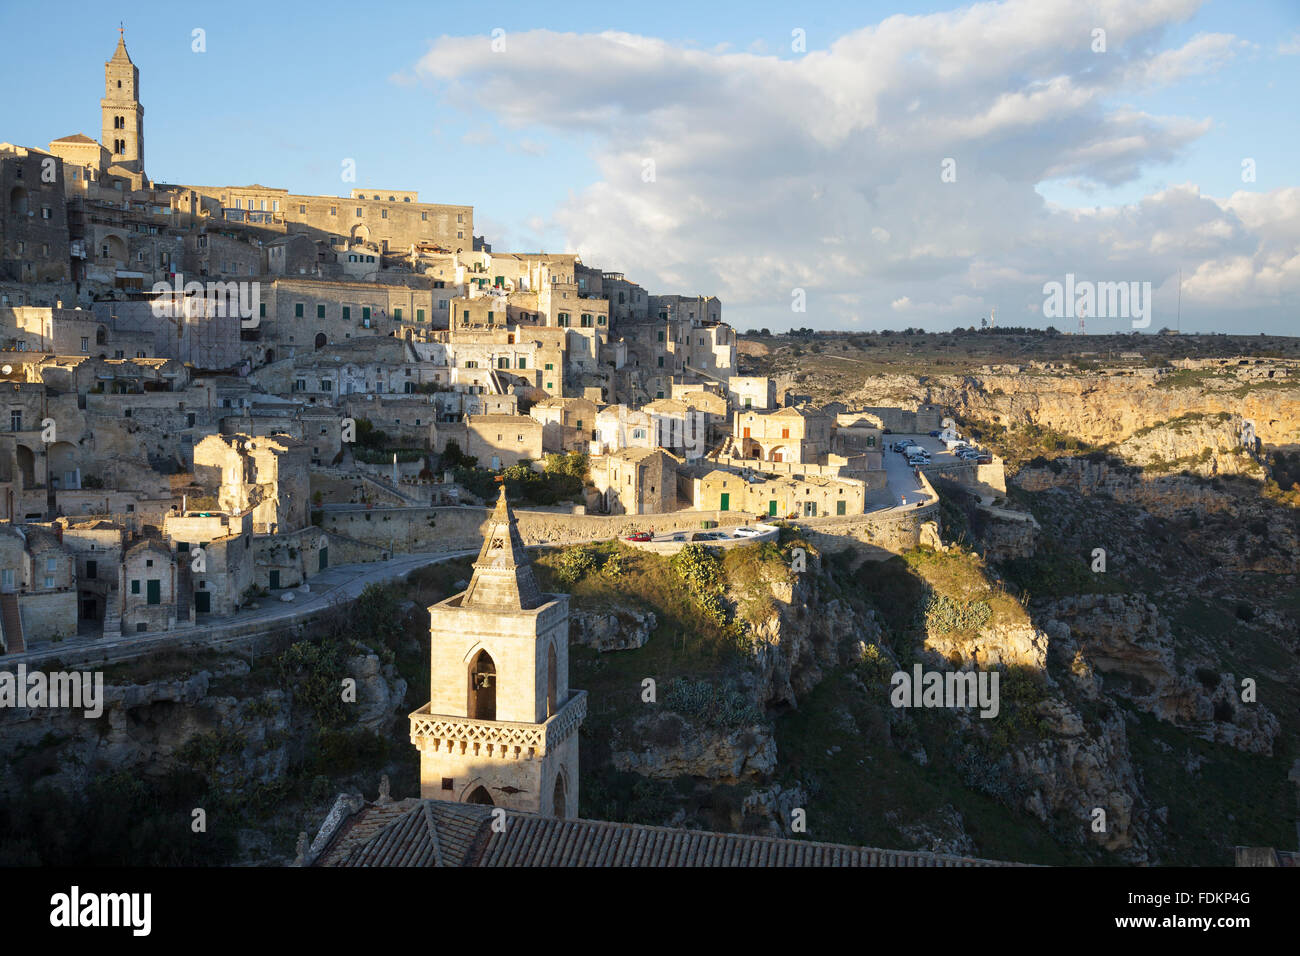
(7, 369)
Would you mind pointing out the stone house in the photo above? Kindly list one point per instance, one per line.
(216, 562)
(149, 591)
(800, 434)
(636, 481)
(568, 424)
(38, 586)
(499, 441)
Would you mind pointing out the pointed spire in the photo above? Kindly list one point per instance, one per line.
(503, 575)
(120, 54)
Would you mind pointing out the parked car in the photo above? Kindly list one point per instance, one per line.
(680, 536)
(746, 532)
(984, 459)
(639, 536)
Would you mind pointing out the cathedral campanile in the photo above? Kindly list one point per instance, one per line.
(502, 724)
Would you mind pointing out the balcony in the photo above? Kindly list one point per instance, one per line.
(500, 739)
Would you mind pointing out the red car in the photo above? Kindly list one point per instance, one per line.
(639, 536)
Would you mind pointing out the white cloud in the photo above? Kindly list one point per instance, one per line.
(823, 171)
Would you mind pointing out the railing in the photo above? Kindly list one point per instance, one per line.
(497, 738)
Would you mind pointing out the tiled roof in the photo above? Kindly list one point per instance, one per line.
(439, 833)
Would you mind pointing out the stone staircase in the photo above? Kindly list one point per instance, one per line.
(11, 622)
(112, 614)
(184, 593)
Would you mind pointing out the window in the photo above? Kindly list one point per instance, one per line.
(661, 364)
(397, 315)
(785, 433)
(135, 586)
(549, 367)
(297, 309)
(448, 783)
(302, 209)
(320, 311)
(51, 565)
(424, 217)
(563, 320)
(550, 386)
(16, 421)
(503, 363)
(347, 312)
(383, 214)
(261, 310)
(523, 363)
(49, 581)
(334, 210)
(85, 343)
(45, 212)
(358, 212)
(365, 313)
(92, 570)
(661, 338)
(600, 320)
(460, 235)
(460, 217)
(419, 315)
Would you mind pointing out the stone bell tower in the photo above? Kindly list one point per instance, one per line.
(502, 725)
(123, 116)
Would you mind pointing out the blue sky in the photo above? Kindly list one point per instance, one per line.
(411, 92)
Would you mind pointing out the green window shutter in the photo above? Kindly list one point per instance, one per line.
(297, 310)
(397, 315)
(261, 310)
(523, 363)
(135, 587)
(419, 315)
(320, 311)
(347, 313)
(365, 312)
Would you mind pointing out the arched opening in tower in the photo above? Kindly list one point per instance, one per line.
(481, 796)
(558, 807)
(483, 687)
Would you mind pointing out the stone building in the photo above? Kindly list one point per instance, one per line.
(499, 441)
(501, 726)
(636, 481)
(801, 435)
(38, 586)
(568, 424)
(149, 587)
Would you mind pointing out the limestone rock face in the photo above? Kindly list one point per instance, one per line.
(611, 629)
(775, 806)
(154, 727)
(1012, 645)
(1126, 637)
(379, 692)
(801, 637)
(1074, 775)
(666, 744)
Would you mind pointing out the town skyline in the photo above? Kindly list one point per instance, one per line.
(1137, 179)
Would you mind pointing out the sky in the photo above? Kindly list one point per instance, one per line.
(857, 166)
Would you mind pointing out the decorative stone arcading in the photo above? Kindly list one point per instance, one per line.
(499, 739)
